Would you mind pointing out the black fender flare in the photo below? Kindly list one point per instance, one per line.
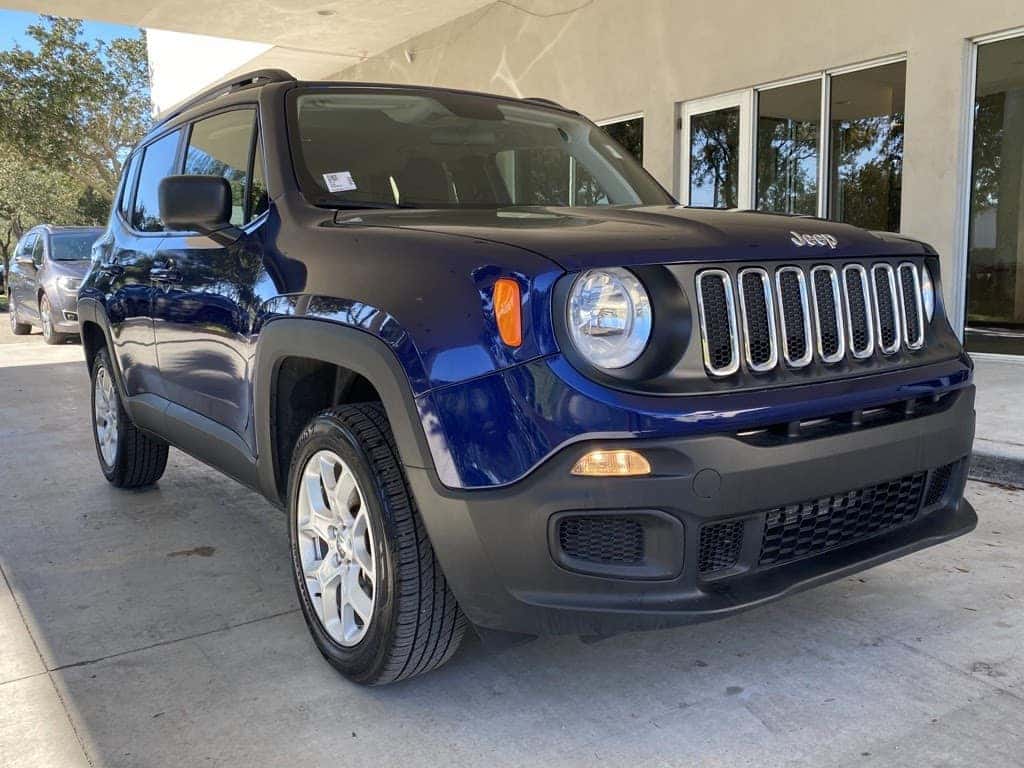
(92, 311)
(351, 348)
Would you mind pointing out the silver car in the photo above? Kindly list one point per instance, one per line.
(43, 279)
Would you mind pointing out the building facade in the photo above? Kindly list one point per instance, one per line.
(902, 116)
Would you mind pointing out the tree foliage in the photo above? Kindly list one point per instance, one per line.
(70, 109)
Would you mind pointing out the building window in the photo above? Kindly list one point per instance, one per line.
(788, 122)
(629, 132)
(995, 250)
(866, 146)
(786, 149)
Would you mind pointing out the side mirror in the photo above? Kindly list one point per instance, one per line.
(195, 203)
(24, 261)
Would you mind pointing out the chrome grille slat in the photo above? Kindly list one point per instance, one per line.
(886, 306)
(828, 314)
(757, 310)
(794, 314)
(719, 335)
(859, 324)
(911, 305)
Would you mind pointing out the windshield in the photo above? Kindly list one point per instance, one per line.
(70, 246)
(373, 148)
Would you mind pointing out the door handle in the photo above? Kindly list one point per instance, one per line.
(164, 272)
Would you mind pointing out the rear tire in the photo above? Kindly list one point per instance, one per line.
(17, 328)
(128, 457)
(346, 459)
(50, 336)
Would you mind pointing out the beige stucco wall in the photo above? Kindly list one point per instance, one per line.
(612, 57)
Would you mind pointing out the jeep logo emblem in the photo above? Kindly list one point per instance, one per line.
(801, 240)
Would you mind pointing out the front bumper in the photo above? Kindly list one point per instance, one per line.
(500, 548)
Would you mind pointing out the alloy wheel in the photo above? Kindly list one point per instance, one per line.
(336, 547)
(44, 313)
(12, 312)
(105, 416)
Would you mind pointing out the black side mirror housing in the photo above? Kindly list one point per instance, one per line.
(195, 203)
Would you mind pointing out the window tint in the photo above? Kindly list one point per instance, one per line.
(130, 173)
(220, 146)
(27, 244)
(37, 251)
(157, 163)
(259, 200)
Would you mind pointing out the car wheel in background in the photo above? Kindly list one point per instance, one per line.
(18, 329)
(50, 336)
(371, 590)
(128, 458)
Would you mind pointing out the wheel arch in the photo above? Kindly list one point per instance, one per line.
(94, 330)
(361, 363)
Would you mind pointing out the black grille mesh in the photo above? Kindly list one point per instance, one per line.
(886, 310)
(604, 539)
(717, 324)
(827, 318)
(909, 294)
(720, 545)
(939, 484)
(859, 328)
(793, 314)
(757, 320)
(812, 527)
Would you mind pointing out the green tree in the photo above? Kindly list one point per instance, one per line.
(69, 112)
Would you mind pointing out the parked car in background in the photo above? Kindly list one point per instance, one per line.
(43, 280)
(498, 378)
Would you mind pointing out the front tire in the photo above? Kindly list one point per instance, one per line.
(372, 592)
(128, 457)
(17, 328)
(50, 336)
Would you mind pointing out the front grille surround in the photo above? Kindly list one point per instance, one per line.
(833, 310)
(886, 305)
(711, 337)
(754, 317)
(911, 305)
(797, 349)
(856, 290)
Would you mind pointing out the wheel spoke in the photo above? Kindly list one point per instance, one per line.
(361, 553)
(353, 595)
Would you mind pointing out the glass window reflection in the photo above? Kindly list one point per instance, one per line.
(788, 121)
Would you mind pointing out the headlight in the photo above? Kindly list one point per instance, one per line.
(609, 317)
(69, 284)
(927, 293)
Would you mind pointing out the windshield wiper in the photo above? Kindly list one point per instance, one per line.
(356, 205)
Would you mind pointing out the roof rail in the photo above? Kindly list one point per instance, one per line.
(248, 80)
(546, 102)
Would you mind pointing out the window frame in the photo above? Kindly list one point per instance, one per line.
(748, 101)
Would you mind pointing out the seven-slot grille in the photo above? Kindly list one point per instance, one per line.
(795, 315)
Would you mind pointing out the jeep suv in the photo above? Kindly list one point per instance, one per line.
(497, 378)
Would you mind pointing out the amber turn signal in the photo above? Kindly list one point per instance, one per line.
(612, 464)
(508, 310)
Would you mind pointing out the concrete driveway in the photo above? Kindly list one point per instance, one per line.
(160, 628)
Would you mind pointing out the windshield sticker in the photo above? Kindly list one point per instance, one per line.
(339, 181)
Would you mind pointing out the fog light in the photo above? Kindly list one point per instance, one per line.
(612, 464)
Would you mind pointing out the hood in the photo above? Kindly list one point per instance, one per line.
(579, 238)
(76, 268)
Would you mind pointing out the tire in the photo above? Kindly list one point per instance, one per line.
(128, 457)
(50, 336)
(18, 329)
(415, 625)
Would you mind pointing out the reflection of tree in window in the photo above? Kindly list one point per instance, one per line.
(714, 159)
(867, 147)
(787, 148)
(630, 134)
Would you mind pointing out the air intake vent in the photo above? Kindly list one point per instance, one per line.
(886, 308)
(860, 330)
(602, 539)
(939, 483)
(720, 545)
(718, 322)
(758, 313)
(911, 305)
(828, 314)
(796, 321)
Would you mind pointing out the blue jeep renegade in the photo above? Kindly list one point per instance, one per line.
(497, 377)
